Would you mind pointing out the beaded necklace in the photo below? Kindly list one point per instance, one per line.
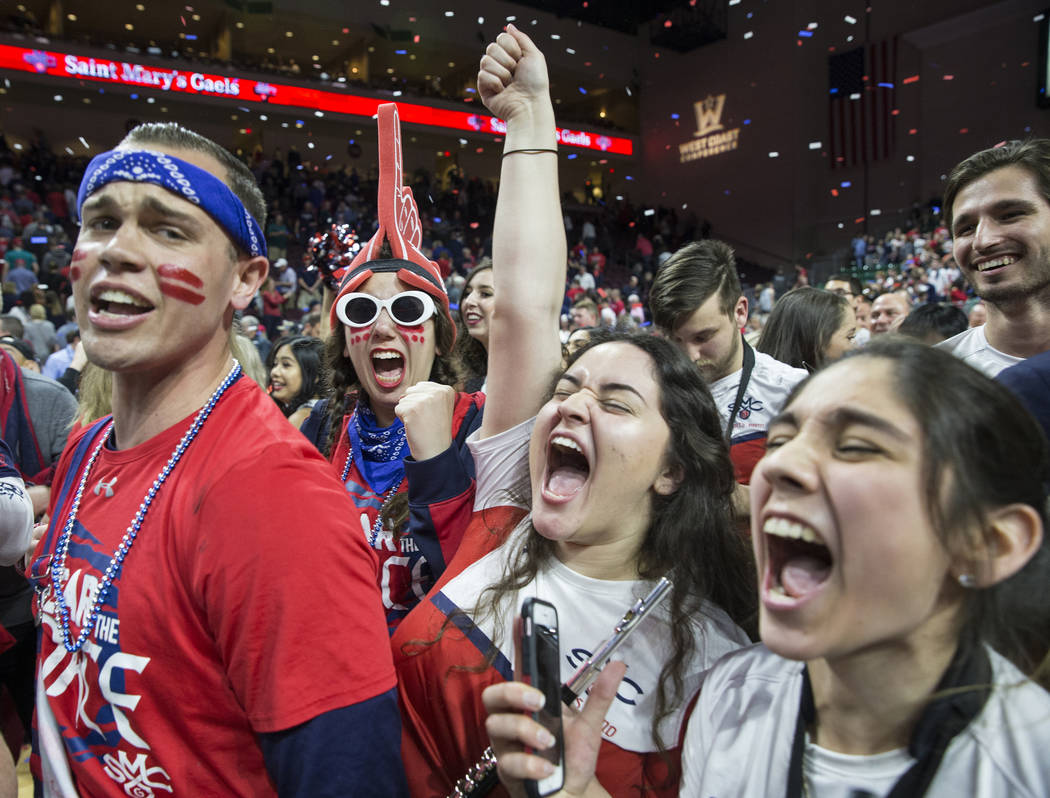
(117, 560)
(395, 455)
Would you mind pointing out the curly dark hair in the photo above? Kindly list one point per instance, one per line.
(692, 536)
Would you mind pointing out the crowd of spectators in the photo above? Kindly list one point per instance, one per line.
(644, 461)
(615, 248)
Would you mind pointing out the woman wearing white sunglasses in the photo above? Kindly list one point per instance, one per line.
(397, 430)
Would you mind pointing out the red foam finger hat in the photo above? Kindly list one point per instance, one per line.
(398, 224)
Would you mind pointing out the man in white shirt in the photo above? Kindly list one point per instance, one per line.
(998, 206)
(696, 300)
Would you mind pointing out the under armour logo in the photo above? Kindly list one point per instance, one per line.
(105, 486)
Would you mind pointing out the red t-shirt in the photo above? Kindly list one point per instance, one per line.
(272, 301)
(247, 604)
(409, 564)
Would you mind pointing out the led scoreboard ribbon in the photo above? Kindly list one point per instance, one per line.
(248, 90)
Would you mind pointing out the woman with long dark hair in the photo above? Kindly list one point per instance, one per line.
(622, 477)
(296, 379)
(475, 320)
(808, 328)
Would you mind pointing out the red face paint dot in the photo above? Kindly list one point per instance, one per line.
(74, 273)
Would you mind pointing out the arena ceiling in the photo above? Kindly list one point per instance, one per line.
(432, 51)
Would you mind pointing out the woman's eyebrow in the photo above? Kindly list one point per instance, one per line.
(606, 387)
(844, 416)
(621, 386)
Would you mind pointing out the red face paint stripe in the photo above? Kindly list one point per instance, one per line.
(181, 292)
(178, 273)
(78, 255)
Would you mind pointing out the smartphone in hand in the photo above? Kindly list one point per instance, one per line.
(539, 665)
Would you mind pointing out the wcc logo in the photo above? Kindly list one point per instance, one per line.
(711, 136)
(709, 114)
(747, 407)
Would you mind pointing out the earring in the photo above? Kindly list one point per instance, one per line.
(966, 580)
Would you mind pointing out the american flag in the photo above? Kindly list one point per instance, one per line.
(862, 87)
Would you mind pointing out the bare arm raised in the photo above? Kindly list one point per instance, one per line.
(529, 249)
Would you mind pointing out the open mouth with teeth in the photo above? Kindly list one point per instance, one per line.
(567, 468)
(997, 263)
(798, 562)
(119, 303)
(388, 366)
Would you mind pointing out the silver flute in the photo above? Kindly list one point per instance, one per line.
(481, 777)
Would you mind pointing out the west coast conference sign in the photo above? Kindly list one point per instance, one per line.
(711, 137)
(249, 90)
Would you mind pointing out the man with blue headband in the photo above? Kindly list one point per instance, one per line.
(200, 633)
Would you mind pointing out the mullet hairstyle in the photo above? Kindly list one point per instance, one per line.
(308, 353)
(1033, 155)
(238, 176)
(690, 277)
(692, 536)
(977, 455)
(798, 330)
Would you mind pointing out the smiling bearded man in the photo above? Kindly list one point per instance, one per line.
(174, 557)
(998, 210)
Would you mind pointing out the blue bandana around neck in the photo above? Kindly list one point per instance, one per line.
(375, 448)
(183, 179)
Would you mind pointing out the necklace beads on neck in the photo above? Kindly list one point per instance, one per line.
(377, 526)
(117, 560)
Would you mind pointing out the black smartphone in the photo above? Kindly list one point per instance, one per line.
(539, 665)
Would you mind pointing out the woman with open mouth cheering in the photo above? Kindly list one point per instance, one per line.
(397, 429)
(622, 477)
(391, 426)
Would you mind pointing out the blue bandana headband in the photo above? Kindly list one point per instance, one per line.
(183, 179)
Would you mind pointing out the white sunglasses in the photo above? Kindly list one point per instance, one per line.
(408, 308)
